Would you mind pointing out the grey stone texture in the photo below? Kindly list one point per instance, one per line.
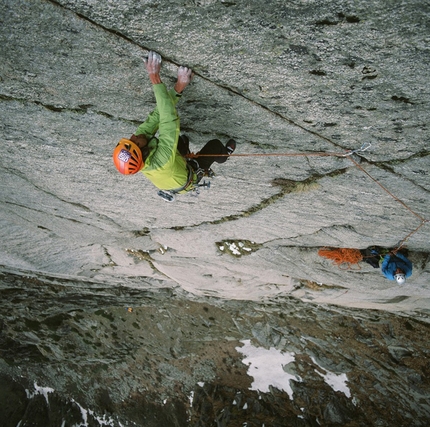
(286, 80)
(83, 353)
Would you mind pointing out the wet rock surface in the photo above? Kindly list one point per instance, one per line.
(236, 266)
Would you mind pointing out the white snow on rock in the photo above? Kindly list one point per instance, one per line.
(336, 381)
(40, 390)
(266, 367)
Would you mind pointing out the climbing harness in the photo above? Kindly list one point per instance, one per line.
(170, 195)
(195, 175)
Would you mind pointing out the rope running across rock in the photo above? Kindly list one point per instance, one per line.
(348, 155)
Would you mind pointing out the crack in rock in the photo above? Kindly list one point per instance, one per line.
(232, 90)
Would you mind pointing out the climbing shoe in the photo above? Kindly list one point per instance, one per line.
(167, 196)
(230, 146)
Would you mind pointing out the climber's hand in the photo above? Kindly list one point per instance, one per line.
(185, 76)
(153, 67)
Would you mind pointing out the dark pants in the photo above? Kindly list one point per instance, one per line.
(214, 146)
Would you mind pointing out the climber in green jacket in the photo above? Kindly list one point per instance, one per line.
(162, 159)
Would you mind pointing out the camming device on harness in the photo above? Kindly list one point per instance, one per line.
(195, 175)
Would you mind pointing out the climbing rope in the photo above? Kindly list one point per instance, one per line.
(344, 258)
(402, 242)
(423, 220)
(349, 154)
(386, 190)
(365, 146)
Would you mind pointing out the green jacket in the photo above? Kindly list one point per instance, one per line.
(164, 166)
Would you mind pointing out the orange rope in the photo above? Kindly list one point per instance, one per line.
(325, 154)
(423, 220)
(342, 256)
(319, 154)
(385, 189)
(317, 134)
(402, 242)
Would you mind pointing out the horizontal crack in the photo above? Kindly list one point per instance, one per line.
(389, 166)
(55, 196)
(418, 155)
(45, 212)
(81, 109)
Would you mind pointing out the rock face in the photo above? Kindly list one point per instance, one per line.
(114, 355)
(288, 81)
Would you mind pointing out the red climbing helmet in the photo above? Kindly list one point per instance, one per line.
(127, 157)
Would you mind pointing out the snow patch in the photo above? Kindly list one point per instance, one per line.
(103, 421)
(44, 391)
(336, 381)
(237, 248)
(40, 390)
(266, 367)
